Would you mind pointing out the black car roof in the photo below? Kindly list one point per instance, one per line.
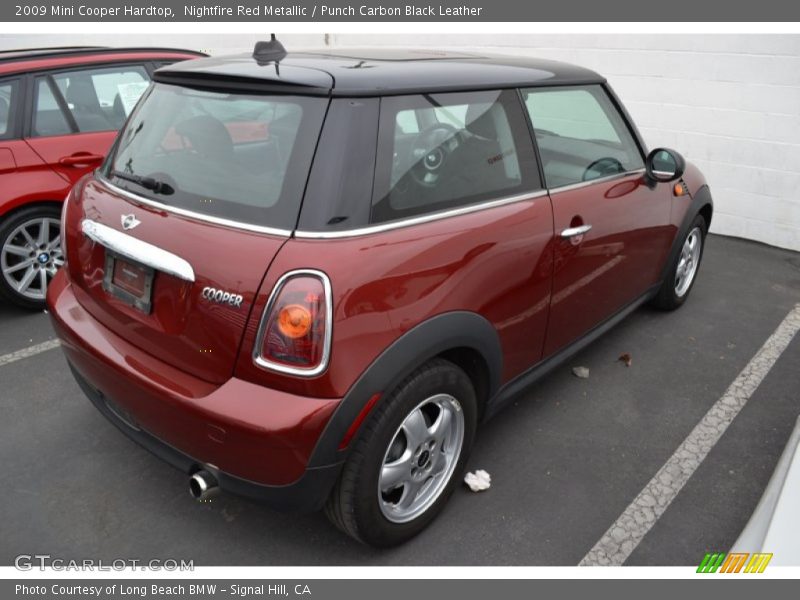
(373, 72)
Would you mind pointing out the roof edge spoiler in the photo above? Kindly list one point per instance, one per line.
(216, 82)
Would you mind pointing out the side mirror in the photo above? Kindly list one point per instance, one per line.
(663, 165)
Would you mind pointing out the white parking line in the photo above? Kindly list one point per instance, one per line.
(638, 518)
(28, 352)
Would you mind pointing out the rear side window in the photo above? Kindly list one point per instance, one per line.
(98, 99)
(228, 155)
(443, 151)
(581, 135)
(8, 100)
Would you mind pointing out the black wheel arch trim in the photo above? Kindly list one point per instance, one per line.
(10, 213)
(447, 331)
(700, 199)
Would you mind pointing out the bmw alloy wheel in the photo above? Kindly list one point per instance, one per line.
(31, 255)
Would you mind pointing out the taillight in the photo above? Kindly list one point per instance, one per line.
(294, 335)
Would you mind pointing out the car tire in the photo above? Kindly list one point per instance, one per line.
(365, 503)
(22, 231)
(682, 272)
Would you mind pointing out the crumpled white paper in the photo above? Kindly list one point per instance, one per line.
(478, 481)
(582, 372)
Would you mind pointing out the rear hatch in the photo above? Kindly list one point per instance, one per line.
(169, 242)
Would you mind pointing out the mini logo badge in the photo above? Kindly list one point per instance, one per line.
(129, 221)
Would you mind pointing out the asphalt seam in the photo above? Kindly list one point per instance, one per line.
(622, 538)
(6, 359)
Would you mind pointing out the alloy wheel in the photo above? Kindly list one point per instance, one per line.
(688, 262)
(31, 255)
(421, 458)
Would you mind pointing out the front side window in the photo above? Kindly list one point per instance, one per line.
(442, 151)
(581, 135)
(98, 99)
(234, 156)
(8, 91)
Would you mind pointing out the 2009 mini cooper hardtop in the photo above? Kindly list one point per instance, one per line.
(307, 277)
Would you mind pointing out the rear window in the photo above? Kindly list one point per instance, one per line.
(233, 156)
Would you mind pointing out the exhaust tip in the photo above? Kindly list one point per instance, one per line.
(203, 486)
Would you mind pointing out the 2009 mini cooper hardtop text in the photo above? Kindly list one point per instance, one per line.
(307, 277)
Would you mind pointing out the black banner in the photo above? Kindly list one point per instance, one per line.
(441, 11)
(730, 588)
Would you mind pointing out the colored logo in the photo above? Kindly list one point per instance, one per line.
(735, 562)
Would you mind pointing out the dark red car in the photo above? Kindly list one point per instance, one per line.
(306, 278)
(60, 109)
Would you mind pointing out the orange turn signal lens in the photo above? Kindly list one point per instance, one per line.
(678, 189)
(294, 321)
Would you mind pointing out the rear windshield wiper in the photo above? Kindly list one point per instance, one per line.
(148, 183)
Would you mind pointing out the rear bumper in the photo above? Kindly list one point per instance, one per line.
(256, 441)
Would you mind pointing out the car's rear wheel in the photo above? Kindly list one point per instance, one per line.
(683, 271)
(30, 255)
(408, 458)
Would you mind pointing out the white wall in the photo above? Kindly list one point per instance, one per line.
(729, 103)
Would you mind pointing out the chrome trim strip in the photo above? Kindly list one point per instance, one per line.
(360, 231)
(138, 250)
(445, 214)
(262, 362)
(191, 214)
(582, 184)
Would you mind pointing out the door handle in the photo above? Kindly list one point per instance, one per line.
(573, 231)
(80, 158)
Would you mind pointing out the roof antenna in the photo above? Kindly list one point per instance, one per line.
(269, 52)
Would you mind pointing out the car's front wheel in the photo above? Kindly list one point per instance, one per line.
(683, 271)
(30, 254)
(408, 458)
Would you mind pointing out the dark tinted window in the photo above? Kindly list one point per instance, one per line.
(229, 155)
(441, 151)
(581, 135)
(8, 101)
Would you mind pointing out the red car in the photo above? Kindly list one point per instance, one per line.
(60, 109)
(306, 278)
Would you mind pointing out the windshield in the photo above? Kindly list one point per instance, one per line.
(228, 155)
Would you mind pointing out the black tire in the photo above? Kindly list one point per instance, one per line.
(668, 297)
(353, 505)
(7, 227)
